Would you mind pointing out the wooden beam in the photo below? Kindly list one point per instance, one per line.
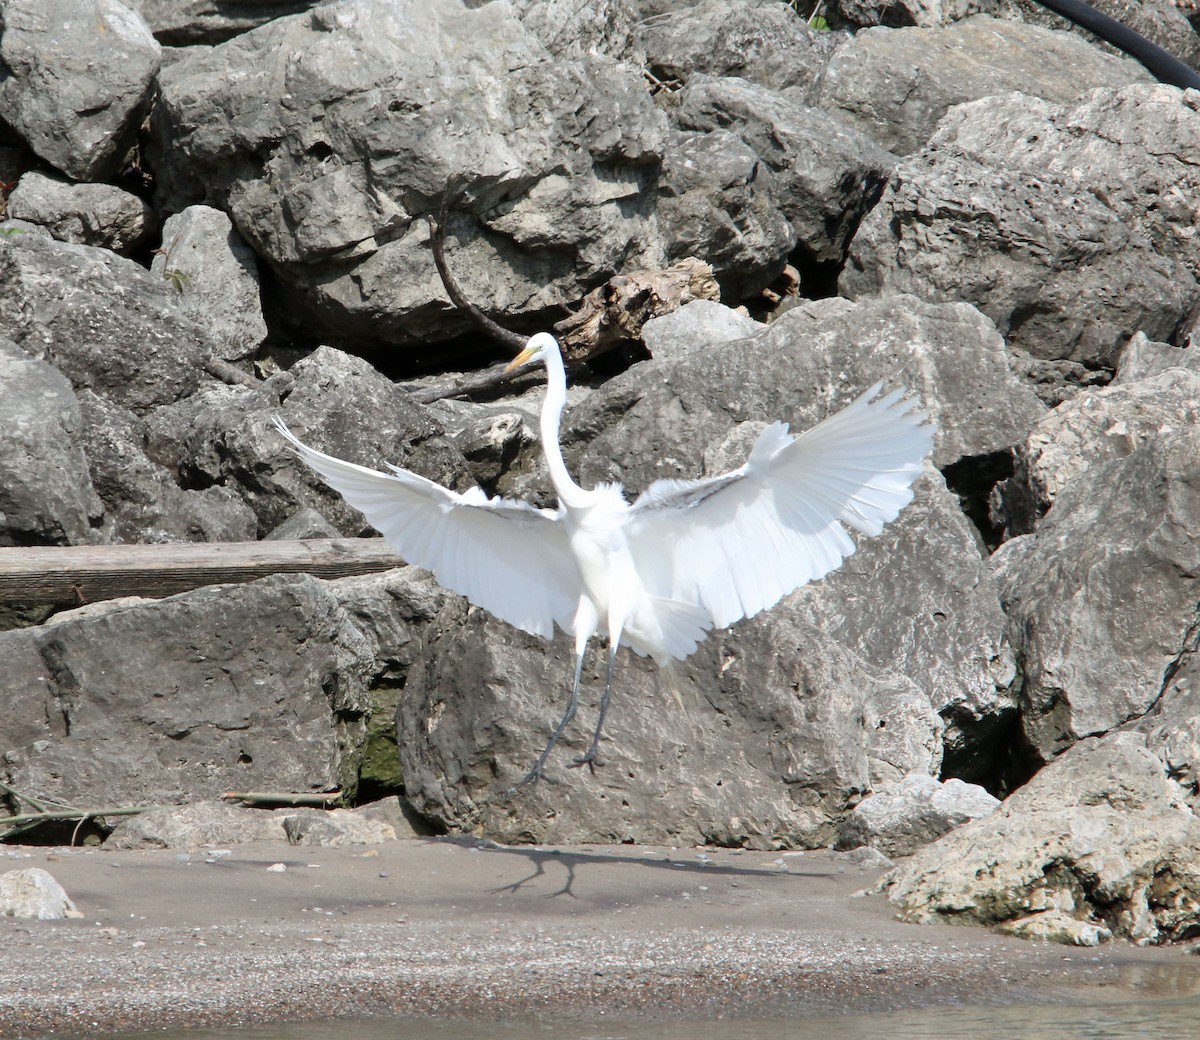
(78, 574)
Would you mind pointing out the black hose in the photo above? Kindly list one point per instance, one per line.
(1163, 65)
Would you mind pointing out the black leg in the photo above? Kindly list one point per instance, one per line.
(538, 770)
(590, 757)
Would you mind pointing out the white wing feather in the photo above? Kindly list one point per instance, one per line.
(503, 555)
(738, 543)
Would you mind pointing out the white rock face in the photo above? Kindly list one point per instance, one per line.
(34, 893)
(216, 276)
(914, 812)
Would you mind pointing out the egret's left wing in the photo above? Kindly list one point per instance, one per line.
(736, 544)
(503, 555)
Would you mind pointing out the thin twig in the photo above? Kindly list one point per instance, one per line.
(41, 804)
(74, 814)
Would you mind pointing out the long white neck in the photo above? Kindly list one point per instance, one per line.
(569, 493)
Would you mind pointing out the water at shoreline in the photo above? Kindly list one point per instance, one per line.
(1120, 1020)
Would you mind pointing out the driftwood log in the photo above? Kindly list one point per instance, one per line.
(614, 313)
(78, 574)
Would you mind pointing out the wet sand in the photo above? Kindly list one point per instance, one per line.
(450, 927)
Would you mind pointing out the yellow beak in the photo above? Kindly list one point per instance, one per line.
(519, 360)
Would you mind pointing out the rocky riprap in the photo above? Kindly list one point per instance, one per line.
(977, 204)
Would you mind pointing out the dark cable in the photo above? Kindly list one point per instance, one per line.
(1163, 65)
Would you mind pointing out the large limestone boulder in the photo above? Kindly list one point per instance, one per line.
(919, 809)
(762, 41)
(86, 214)
(1036, 213)
(105, 322)
(823, 174)
(895, 84)
(334, 401)
(46, 493)
(764, 738)
(1099, 843)
(361, 115)
(1102, 597)
(215, 274)
(77, 77)
(1094, 427)
(258, 686)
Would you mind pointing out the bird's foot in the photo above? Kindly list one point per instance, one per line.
(591, 760)
(532, 777)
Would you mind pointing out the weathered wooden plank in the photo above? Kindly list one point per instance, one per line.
(87, 573)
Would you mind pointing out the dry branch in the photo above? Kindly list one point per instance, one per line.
(79, 574)
(614, 313)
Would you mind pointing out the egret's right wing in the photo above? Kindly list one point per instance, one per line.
(503, 555)
(736, 544)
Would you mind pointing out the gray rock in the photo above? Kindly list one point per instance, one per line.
(1100, 836)
(212, 823)
(569, 30)
(824, 175)
(1036, 213)
(762, 743)
(713, 204)
(491, 441)
(183, 23)
(142, 500)
(919, 809)
(924, 13)
(46, 493)
(339, 828)
(1094, 427)
(806, 364)
(920, 600)
(214, 272)
(1102, 598)
(762, 41)
(554, 156)
(102, 320)
(305, 522)
(893, 85)
(86, 214)
(34, 893)
(334, 401)
(1056, 926)
(392, 611)
(78, 78)
(695, 327)
(1172, 725)
(229, 687)
(1142, 358)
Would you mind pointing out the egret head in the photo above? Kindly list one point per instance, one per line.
(535, 350)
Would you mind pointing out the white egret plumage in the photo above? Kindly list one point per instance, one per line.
(656, 574)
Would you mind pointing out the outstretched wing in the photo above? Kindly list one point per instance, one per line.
(503, 555)
(736, 544)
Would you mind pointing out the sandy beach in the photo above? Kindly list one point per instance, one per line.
(454, 927)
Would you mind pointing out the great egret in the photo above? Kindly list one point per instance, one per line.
(657, 574)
